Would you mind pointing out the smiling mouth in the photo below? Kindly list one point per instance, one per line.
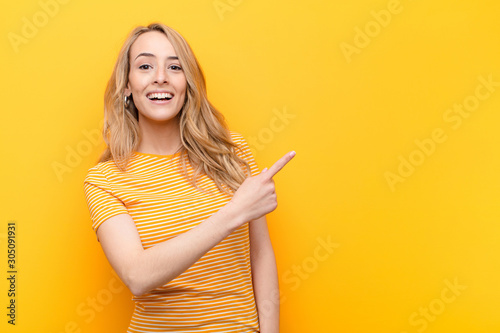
(160, 96)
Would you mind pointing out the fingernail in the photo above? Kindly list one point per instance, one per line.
(292, 154)
(264, 170)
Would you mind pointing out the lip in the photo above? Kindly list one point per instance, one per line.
(160, 102)
(159, 91)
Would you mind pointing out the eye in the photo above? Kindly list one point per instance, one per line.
(145, 66)
(175, 67)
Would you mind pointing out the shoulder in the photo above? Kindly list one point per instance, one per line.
(240, 141)
(237, 137)
(100, 172)
(244, 151)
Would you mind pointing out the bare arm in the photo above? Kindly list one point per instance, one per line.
(143, 270)
(264, 276)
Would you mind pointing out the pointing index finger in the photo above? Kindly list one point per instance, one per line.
(276, 167)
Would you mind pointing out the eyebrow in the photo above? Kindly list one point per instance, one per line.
(145, 54)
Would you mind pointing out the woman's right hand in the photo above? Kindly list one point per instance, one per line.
(256, 196)
(145, 269)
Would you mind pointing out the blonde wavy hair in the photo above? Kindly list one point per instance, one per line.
(206, 140)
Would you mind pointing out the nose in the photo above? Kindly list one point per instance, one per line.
(161, 75)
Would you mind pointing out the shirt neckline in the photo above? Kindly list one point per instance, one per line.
(157, 155)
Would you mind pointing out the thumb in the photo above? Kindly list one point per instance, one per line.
(263, 170)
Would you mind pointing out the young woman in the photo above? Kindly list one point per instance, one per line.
(177, 201)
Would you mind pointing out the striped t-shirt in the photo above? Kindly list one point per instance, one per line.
(213, 295)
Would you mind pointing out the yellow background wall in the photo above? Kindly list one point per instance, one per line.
(388, 217)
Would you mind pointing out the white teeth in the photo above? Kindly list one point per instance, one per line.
(160, 95)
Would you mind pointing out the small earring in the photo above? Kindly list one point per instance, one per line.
(126, 101)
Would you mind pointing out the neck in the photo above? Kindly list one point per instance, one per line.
(159, 138)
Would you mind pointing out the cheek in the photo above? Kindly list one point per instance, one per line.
(183, 85)
(180, 80)
(136, 82)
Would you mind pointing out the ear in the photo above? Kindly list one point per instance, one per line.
(128, 91)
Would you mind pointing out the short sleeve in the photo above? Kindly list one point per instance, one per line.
(101, 201)
(245, 153)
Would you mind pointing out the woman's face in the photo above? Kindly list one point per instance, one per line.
(156, 79)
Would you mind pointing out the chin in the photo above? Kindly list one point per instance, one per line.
(159, 118)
